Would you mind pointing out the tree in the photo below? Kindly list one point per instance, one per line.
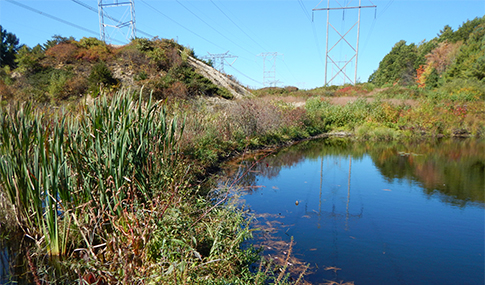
(9, 45)
(57, 39)
(446, 34)
(397, 65)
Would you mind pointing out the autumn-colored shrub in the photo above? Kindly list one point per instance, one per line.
(177, 90)
(76, 86)
(94, 53)
(63, 52)
(5, 91)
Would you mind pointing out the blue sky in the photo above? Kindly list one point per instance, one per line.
(247, 29)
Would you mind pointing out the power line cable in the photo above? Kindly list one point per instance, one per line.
(246, 75)
(212, 27)
(385, 8)
(315, 37)
(237, 25)
(54, 17)
(292, 75)
(180, 25)
(242, 24)
(302, 6)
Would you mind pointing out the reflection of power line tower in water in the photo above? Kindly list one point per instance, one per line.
(269, 75)
(342, 37)
(219, 59)
(334, 215)
(116, 24)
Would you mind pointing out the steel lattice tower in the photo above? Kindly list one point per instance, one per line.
(269, 76)
(219, 59)
(328, 52)
(106, 21)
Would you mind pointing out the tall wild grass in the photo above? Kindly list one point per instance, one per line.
(53, 165)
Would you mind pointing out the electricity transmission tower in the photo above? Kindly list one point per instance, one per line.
(269, 76)
(329, 56)
(219, 59)
(116, 24)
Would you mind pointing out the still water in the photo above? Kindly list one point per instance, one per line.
(371, 213)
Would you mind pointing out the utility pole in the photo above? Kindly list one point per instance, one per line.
(219, 59)
(269, 76)
(105, 20)
(355, 49)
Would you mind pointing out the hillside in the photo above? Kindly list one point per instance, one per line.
(64, 69)
(451, 63)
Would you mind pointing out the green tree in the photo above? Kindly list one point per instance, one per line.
(57, 39)
(397, 65)
(28, 59)
(446, 34)
(9, 45)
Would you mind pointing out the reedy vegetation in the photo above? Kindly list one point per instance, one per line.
(107, 191)
(112, 188)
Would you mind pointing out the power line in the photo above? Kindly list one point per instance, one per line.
(291, 72)
(52, 17)
(212, 27)
(180, 25)
(317, 44)
(303, 8)
(246, 76)
(386, 7)
(236, 25)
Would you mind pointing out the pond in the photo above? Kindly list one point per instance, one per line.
(371, 213)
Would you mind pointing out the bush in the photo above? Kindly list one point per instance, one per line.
(101, 75)
(63, 52)
(28, 60)
(463, 90)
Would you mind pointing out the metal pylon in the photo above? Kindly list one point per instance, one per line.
(219, 59)
(355, 49)
(269, 75)
(107, 21)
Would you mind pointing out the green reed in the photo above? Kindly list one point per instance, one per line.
(53, 166)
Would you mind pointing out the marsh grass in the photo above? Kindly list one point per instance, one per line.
(105, 195)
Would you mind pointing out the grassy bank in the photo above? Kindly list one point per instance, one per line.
(111, 192)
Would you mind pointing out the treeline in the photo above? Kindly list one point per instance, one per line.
(453, 62)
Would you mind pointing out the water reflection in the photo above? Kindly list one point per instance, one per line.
(373, 213)
(454, 168)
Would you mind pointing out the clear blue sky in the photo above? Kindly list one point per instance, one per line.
(249, 28)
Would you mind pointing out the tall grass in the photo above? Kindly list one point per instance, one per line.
(51, 166)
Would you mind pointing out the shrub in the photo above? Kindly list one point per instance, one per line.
(63, 52)
(463, 90)
(5, 91)
(88, 42)
(143, 44)
(101, 75)
(28, 60)
(57, 85)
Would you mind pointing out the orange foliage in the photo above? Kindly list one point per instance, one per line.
(63, 52)
(420, 78)
(443, 55)
(94, 53)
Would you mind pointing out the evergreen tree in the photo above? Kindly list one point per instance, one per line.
(397, 65)
(9, 45)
